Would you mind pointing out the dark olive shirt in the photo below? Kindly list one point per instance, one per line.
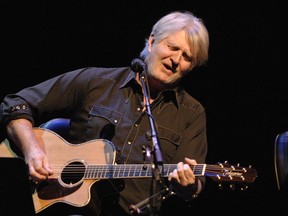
(107, 103)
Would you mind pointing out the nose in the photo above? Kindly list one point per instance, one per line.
(176, 57)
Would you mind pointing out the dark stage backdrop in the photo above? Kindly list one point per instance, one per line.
(243, 87)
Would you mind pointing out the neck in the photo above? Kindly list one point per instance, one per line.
(153, 90)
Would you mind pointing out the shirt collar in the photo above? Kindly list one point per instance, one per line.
(172, 95)
(131, 76)
(168, 94)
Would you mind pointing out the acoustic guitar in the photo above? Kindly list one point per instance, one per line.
(78, 166)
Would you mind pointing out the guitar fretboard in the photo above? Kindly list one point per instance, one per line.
(133, 170)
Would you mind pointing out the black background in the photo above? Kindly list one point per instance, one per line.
(243, 87)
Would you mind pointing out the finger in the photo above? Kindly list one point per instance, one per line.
(38, 172)
(173, 176)
(189, 175)
(34, 175)
(190, 161)
(181, 172)
(46, 166)
(170, 176)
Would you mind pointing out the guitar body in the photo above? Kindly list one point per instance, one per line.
(61, 186)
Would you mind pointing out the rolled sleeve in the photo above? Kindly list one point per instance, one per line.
(12, 109)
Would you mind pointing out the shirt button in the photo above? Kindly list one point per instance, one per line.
(115, 121)
(136, 125)
(138, 109)
(129, 143)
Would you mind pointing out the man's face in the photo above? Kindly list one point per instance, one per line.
(169, 60)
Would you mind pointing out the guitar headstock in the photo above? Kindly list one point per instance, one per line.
(234, 174)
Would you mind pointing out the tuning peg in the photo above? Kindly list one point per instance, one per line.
(220, 164)
(244, 188)
(220, 185)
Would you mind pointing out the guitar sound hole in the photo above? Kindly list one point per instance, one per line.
(73, 173)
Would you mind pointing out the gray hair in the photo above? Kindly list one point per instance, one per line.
(197, 34)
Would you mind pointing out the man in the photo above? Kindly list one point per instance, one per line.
(109, 103)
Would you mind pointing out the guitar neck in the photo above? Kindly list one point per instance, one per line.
(133, 171)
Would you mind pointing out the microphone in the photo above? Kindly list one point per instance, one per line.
(138, 65)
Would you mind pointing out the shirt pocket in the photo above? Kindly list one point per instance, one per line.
(103, 122)
(169, 141)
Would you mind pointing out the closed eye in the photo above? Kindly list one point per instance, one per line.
(187, 57)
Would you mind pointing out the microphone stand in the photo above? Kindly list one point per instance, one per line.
(157, 166)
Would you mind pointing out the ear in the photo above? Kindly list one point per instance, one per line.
(150, 42)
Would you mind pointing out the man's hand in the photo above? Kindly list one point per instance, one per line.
(184, 182)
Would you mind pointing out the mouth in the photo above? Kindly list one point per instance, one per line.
(169, 68)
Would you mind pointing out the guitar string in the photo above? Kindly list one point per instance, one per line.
(90, 169)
